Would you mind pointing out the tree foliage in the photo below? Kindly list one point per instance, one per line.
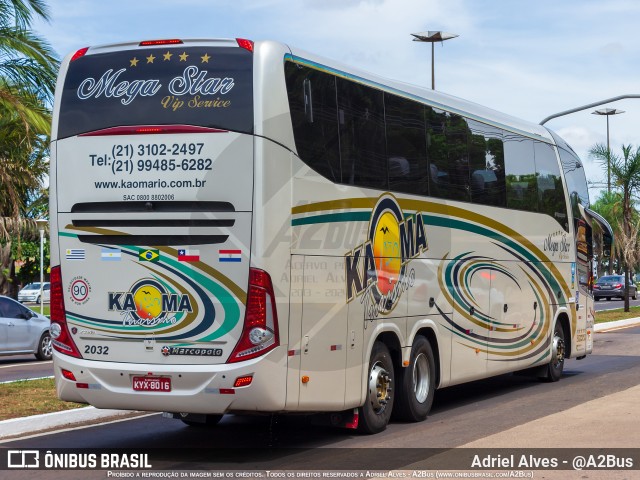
(28, 68)
(625, 174)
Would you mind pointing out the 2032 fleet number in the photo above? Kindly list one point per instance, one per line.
(96, 349)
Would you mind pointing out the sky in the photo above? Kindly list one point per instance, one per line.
(527, 59)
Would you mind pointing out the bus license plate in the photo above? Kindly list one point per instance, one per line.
(152, 384)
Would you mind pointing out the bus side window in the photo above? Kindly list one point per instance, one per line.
(486, 159)
(314, 116)
(550, 190)
(406, 145)
(520, 170)
(363, 154)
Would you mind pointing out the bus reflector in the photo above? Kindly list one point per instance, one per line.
(60, 336)
(79, 53)
(353, 424)
(151, 129)
(246, 44)
(170, 41)
(260, 330)
(243, 381)
(68, 375)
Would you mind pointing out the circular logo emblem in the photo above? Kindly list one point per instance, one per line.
(384, 233)
(148, 298)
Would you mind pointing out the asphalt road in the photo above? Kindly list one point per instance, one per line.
(19, 367)
(614, 303)
(460, 415)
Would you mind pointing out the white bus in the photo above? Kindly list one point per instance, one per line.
(244, 227)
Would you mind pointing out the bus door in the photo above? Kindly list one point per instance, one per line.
(583, 291)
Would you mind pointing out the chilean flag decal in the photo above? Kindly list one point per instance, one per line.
(229, 255)
(188, 255)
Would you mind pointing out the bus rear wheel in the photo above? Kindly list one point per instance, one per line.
(416, 383)
(374, 415)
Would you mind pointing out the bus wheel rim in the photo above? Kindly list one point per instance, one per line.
(557, 353)
(379, 388)
(421, 378)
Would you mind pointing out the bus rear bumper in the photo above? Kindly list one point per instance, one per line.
(207, 389)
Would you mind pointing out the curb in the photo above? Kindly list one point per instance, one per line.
(15, 428)
(609, 326)
(22, 427)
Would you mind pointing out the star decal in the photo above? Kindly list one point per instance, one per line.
(150, 58)
(183, 56)
(134, 62)
(205, 58)
(167, 56)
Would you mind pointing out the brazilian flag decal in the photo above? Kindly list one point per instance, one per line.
(148, 255)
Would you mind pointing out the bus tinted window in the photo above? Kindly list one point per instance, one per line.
(362, 135)
(406, 145)
(486, 159)
(203, 86)
(520, 170)
(314, 115)
(550, 190)
(574, 176)
(448, 155)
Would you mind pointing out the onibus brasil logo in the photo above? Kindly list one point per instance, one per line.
(147, 303)
(377, 269)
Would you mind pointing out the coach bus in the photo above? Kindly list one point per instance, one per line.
(243, 227)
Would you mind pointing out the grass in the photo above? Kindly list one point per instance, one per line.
(31, 397)
(617, 314)
(36, 308)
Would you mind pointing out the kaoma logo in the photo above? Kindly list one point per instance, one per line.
(147, 303)
(377, 269)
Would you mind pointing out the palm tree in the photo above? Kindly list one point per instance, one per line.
(625, 174)
(28, 65)
(28, 68)
(608, 205)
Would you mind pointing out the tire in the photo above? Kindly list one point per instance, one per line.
(210, 421)
(416, 383)
(596, 299)
(556, 364)
(374, 415)
(38, 299)
(45, 349)
(635, 295)
(608, 299)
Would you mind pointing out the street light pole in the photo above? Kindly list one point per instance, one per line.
(41, 225)
(608, 112)
(432, 37)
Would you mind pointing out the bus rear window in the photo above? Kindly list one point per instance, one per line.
(203, 86)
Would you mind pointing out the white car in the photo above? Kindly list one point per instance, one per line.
(23, 330)
(32, 292)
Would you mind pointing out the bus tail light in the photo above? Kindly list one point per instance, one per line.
(246, 44)
(260, 330)
(60, 336)
(168, 41)
(151, 129)
(79, 53)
